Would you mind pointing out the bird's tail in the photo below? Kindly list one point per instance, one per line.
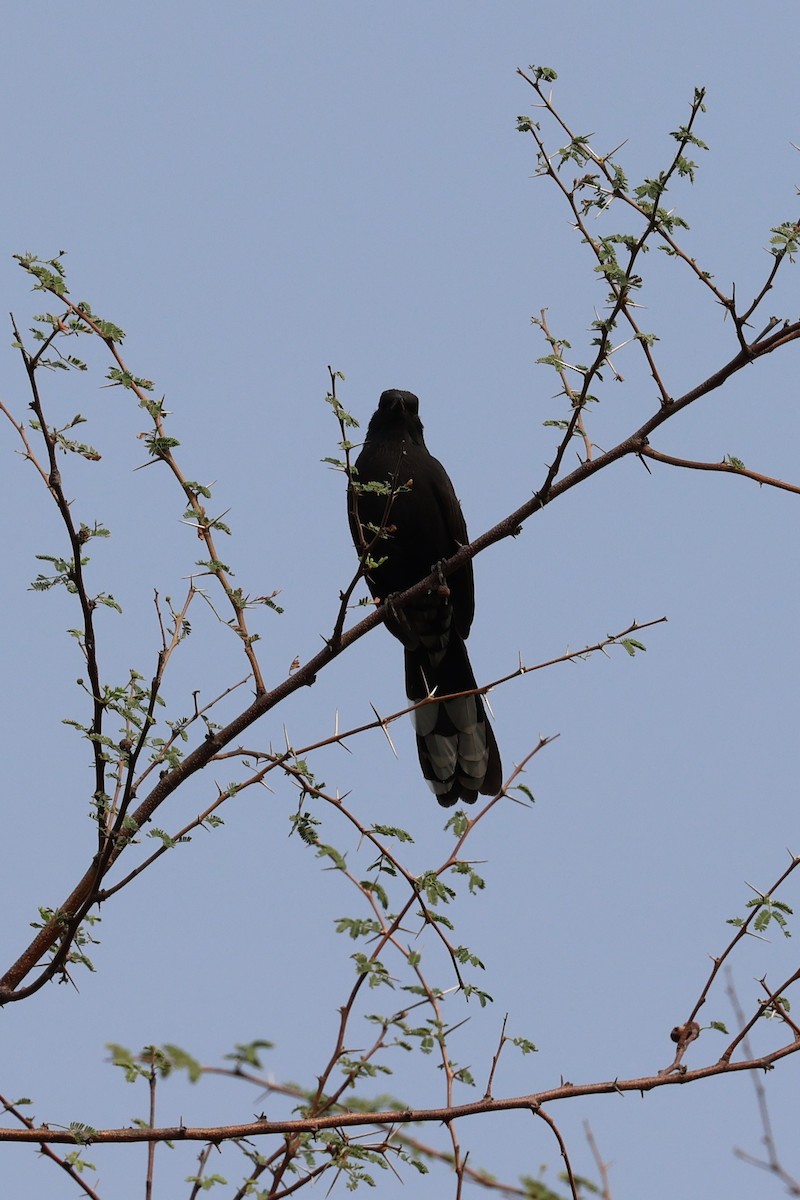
(457, 748)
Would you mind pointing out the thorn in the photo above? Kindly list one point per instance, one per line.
(384, 727)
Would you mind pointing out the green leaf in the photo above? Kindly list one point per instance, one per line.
(373, 969)
(124, 1058)
(631, 645)
(357, 927)
(458, 822)
(113, 333)
(247, 1053)
(333, 854)
(305, 825)
(475, 882)
(483, 997)
(197, 489)
(83, 1134)
(205, 1181)
(159, 447)
(166, 841)
(184, 1062)
(377, 890)
(433, 889)
(49, 281)
(463, 955)
(108, 601)
(392, 831)
(785, 240)
(685, 135)
(120, 378)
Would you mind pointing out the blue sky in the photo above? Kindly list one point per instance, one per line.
(259, 192)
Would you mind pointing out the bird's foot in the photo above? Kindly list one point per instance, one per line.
(398, 624)
(442, 588)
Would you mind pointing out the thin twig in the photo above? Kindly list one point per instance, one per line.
(46, 1152)
(496, 1059)
(538, 1111)
(602, 1166)
(726, 468)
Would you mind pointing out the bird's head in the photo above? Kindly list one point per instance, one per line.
(397, 416)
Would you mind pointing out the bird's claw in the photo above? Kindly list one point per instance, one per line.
(442, 588)
(399, 623)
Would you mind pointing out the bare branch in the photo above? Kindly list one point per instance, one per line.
(351, 1120)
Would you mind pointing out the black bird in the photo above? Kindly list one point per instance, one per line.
(412, 523)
